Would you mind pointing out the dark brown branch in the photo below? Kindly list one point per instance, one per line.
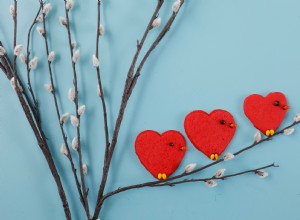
(100, 84)
(184, 174)
(168, 183)
(125, 99)
(63, 133)
(40, 139)
(84, 190)
(36, 107)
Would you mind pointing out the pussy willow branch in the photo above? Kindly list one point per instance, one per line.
(168, 183)
(84, 190)
(28, 69)
(124, 102)
(100, 83)
(184, 174)
(63, 133)
(10, 72)
(215, 178)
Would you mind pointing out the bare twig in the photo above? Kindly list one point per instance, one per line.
(84, 190)
(100, 83)
(69, 156)
(36, 107)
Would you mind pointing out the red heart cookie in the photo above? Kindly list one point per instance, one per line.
(160, 154)
(266, 113)
(210, 133)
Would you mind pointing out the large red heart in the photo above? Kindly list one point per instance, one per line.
(210, 133)
(266, 113)
(160, 154)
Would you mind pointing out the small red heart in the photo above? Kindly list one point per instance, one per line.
(160, 154)
(210, 133)
(266, 113)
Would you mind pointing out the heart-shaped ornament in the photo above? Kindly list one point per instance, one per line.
(160, 154)
(210, 133)
(266, 113)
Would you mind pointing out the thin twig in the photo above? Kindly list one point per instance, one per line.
(28, 69)
(84, 190)
(63, 133)
(100, 83)
(168, 183)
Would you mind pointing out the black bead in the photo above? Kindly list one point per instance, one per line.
(222, 122)
(276, 103)
(171, 144)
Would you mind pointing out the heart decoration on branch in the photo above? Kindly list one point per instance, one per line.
(160, 154)
(266, 113)
(210, 133)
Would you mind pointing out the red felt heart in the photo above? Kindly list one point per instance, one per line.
(160, 154)
(210, 133)
(266, 113)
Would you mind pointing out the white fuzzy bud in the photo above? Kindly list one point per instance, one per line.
(63, 150)
(99, 91)
(74, 121)
(95, 61)
(13, 84)
(219, 173)
(228, 156)
(156, 22)
(190, 167)
(51, 56)
(81, 110)
(297, 118)
(262, 174)
(12, 11)
(76, 56)
(64, 118)
(18, 50)
(2, 51)
(176, 6)
(23, 58)
(101, 30)
(257, 137)
(40, 30)
(48, 87)
(73, 44)
(288, 131)
(71, 94)
(33, 63)
(211, 183)
(84, 169)
(40, 18)
(75, 144)
(69, 4)
(63, 21)
(47, 8)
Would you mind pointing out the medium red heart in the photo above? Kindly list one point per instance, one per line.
(210, 133)
(266, 113)
(160, 154)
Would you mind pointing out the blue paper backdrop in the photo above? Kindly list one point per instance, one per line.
(216, 54)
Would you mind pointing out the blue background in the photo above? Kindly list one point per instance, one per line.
(216, 54)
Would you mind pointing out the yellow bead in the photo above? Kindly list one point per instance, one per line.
(272, 132)
(212, 157)
(216, 156)
(164, 176)
(268, 133)
(159, 176)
